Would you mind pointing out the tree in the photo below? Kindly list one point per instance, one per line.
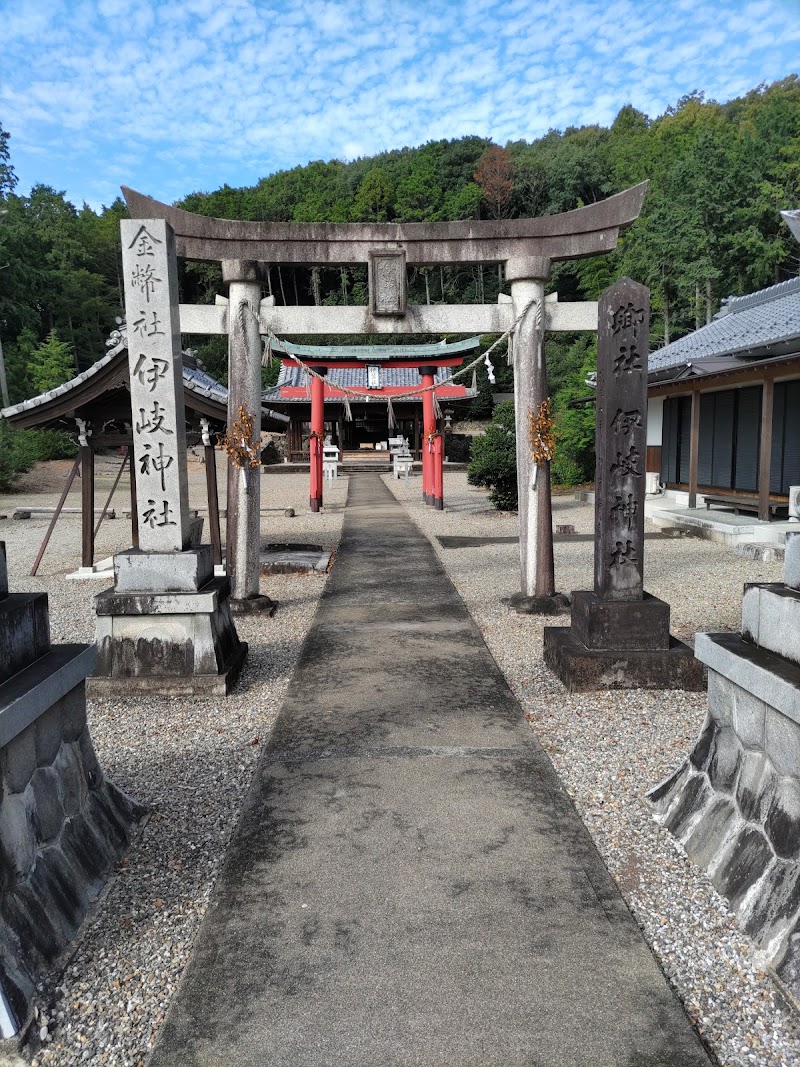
(51, 364)
(494, 175)
(494, 459)
(374, 199)
(8, 178)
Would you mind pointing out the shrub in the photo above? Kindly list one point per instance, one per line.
(494, 459)
(457, 447)
(18, 453)
(20, 450)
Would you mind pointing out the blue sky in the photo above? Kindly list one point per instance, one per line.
(182, 95)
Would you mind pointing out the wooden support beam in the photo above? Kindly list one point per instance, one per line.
(765, 449)
(213, 503)
(694, 448)
(87, 505)
(125, 459)
(56, 513)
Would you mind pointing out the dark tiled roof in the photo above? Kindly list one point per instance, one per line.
(377, 353)
(356, 378)
(195, 381)
(746, 326)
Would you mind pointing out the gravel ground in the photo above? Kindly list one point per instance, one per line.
(191, 761)
(610, 748)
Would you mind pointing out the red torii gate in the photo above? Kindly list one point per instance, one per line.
(427, 360)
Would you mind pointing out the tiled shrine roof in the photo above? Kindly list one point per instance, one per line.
(112, 368)
(759, 326)
(378, 353)
(293, 378)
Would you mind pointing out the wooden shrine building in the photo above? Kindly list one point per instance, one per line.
(376, 372)
(95, 408)
(348, 394)
(724, 405)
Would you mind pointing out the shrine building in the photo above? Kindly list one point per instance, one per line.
(372, 375)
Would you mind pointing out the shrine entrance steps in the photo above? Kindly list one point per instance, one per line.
(409, 884)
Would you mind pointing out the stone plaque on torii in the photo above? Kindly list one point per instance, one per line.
(525, 247)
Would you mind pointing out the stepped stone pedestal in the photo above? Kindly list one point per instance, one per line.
(63, 826)
(620, 645)
(166, 627)
(735, 802)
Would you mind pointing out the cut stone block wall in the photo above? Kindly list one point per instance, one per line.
(735, 807)
(63, 827)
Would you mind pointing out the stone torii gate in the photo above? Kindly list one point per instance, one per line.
(157, 234)
(525, 247)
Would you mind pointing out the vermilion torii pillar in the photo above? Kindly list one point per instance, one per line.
(316, 440)
(438, 472)
(428, 375)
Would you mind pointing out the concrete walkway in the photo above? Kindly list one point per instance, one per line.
(409, 884)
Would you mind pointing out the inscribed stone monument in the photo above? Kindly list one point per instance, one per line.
(619, 637)
(149, 266)
(166, 626)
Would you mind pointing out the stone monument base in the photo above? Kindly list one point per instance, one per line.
(620, 644)
(173, 635)
(613, 625)
(734, 804)
(583, 669)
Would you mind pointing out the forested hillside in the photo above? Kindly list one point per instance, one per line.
(710, 227)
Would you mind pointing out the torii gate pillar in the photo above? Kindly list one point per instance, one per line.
(243, 528)
(317, 437)
(538, 591)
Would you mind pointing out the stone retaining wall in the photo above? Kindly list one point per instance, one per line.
(63, 827)
(735, 807)
(735, 803)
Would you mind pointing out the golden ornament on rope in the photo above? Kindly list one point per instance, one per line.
(540, 433)
(238, 441)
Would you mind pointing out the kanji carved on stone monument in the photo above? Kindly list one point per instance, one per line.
(159, 427)
(619, 635)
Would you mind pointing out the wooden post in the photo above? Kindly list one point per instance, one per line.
(212, 491)
(87, 494)
(765, 449)
(428, 375)
(694, 448)
(438, 472)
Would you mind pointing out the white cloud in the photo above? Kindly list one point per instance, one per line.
(183, 96)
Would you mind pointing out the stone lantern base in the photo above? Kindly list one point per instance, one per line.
(165, 629)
